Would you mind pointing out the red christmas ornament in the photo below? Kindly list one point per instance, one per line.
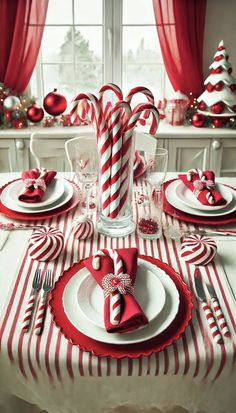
(219, 86)
(202, 105)
(18, 123)
(233, 108)
(35, 113)
(198, 120)
(217, 122)
(233, 87)
(217, 108)
(220, 48)
(218, 70)
(55, 103)
(210, 87)
(218, 58)
(7, 114)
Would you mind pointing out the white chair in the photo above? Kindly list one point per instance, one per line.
(145, 142)
(70, 145)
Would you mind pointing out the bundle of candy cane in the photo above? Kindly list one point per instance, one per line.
(114, 126)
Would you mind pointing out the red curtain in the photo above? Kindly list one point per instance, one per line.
(180, 27)
(19, 41)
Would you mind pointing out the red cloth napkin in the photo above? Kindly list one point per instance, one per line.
(35, 181)
(132, 315)
(205, 196)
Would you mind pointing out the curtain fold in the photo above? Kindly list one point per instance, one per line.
(180, 27)
(21, 29)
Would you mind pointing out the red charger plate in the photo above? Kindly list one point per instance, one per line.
(43, 215)
(158, 343)
(184, 216)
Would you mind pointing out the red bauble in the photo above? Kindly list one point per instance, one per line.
(18, 123)
(210, 87)
(221, 48)
(35, 113)
(233, 87)
(218, 58)
(7, 114)
(218, 107)
(233, 108)
(198, 120)
(217, 122)
(202, 105)
(219, 86)
(218, 70)
(55, 103)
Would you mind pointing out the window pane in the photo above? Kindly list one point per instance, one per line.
(150, 76)
(138, 12)
(141, 45)
(59, 12)
(88, 44)
(88, 78)
(88, 12)
(60, 77)
(57, 45)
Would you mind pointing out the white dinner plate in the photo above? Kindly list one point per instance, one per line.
(149, 293)
(186, 196)
(54, 191)
(158, 325)
(66, 196)
(171, 197)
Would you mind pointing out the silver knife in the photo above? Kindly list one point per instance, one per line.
(207, 311)
(218, 311)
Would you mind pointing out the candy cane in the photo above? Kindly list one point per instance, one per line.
(109, 87)
(144, 91)
(115, 297)
(191, 172)
(92, 108)
(116, 159)
(128, 132)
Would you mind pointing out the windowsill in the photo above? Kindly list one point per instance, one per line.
(165, 131)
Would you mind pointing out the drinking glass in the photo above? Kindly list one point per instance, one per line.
(150, 217)
(86, 168)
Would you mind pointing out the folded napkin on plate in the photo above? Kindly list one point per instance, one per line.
(139, 167)
(202, 184)
(35, 183)
(131, 316)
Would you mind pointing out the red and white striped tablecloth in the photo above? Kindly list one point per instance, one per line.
(52, 357)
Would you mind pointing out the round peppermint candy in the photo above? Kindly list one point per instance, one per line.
(45, 244)
(198, 249)
(83, 227)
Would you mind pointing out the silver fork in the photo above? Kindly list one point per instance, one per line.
(47, 286)
(31, 302)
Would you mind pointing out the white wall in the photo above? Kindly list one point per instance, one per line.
(220, 25)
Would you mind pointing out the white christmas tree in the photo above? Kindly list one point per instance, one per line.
(219, 97)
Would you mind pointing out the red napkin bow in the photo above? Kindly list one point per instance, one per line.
(35, 184)
(132, 315)
(202, 184)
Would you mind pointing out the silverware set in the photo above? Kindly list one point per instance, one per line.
(45, 287)
(211, 307)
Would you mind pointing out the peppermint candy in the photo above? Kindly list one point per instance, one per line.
(45, 244)
(198, 250)
(83, 227)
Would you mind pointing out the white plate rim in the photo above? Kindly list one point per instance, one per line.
(67, 195)
(83, 298)
(198, 204)
(172, 199)
(41, 204)
(151, 330)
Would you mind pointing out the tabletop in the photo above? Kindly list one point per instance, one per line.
(50, 372)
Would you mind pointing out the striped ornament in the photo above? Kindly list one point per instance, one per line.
(82, 227)
(45, 244)
(198, 250)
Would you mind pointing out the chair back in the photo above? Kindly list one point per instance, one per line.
(70, 145)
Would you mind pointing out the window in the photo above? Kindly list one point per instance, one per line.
(88, 43)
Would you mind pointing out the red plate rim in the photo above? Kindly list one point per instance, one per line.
(184, 216)
(72, 203)
(146, 348)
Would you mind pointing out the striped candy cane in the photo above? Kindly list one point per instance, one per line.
(115, 297)
(212, 323)
(91, 107)
(109, 87)
(127, 145)
(144, 91)
(116, 156)
(220, 317)
(202, 178)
